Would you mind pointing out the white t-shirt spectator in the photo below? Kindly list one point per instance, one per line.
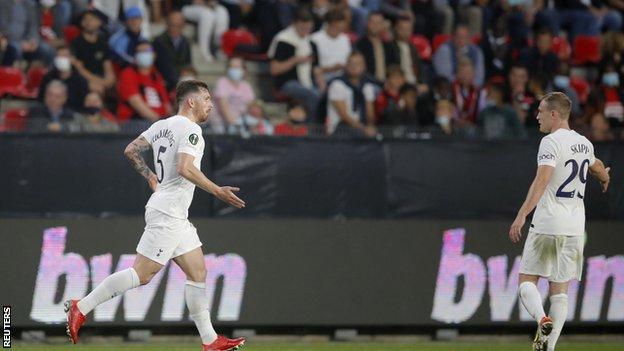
(331, 51)
(339, 91)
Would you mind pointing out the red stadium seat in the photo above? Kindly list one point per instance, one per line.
(353, 37)
(586, 50)
(15, 120)
(34, 76)
(421, 43)
(438, 40)
(562, 48)
(11, 81)
(581, 86)
(70, 33)
(234, 37)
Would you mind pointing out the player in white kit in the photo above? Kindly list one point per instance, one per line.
(178, 146)
(554, 245)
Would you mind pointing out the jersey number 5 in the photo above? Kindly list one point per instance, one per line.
(576, 170)
(161, 150)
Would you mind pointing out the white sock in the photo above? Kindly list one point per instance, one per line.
(558, 312)
(531, 299)
(199, 310)
(115, 284)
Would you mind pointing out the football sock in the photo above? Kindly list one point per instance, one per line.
(115, 284)
(199, 310)
(558, 312)
(531, 299)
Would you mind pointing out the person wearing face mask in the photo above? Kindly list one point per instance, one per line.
(124, 42)
(93, 56)
(295, 121)
(233, 95)
(611, 96)
(94, 117)
(141, 88)
(63, 70)
(499, 120)
(561, 83)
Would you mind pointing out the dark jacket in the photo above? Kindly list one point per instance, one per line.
(169, 60)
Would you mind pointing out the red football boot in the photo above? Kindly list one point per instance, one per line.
(75, 319)
(224, 344)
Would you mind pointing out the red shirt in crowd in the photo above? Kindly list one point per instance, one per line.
(290, 129)
(151, 88)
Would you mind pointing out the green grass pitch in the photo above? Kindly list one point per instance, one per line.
(335, 346)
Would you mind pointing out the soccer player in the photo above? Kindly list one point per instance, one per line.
(178, 147)
(554, 245)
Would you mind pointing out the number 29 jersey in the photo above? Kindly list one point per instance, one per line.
(561, 210)
(169, 137)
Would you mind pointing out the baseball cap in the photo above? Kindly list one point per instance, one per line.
(133, 12)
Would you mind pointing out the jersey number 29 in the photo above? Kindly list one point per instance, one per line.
(161, 150)
(576, 170)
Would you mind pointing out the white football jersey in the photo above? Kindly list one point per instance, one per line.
(561, 210)
(169, 137)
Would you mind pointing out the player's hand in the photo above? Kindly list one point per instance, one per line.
(226, 194)
(605, 185)
(515, 232)
(153, 182)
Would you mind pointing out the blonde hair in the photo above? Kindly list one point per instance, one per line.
(559, 102)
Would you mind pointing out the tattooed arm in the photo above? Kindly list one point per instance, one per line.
(133, 153)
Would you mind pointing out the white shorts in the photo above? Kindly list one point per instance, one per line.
(557, 258)
(166, 237)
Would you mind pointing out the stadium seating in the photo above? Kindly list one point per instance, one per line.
(34, 76)
(12, 82)
(586, 50)
(421, 43)
(581, 87)
(70, 33)
(562, 48)
(438, 40)
(234, 38)
(15, 120)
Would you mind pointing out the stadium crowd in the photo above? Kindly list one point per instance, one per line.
(469, 68)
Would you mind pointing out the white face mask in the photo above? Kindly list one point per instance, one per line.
(145, 59)
(62, 63)
(47, 3)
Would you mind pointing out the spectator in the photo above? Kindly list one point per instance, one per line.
(173, 51)
(124, 42)
(611, 96)
(406, 54)
(499, 120)
(388, 99)
(540, 57)
(351, 99)
(187, 73)
(19, 21)
(394, 9)
(95, 118)
(295, 121)
(54, 15)
(112, 8)
(92, 54)
(445, 59)
(466, 11)
(445, 113)
(430, 20)
(8, 53)
(233, 94)
(469, 98)
(141, 89)
(254, 121)
(406, 111)
(332, 45)
(293, 63)
(212, 19)
(64, 71)
(561, 83)
(377, 54)
(53, 111)
(581, 16)
(518, 95)
(600, 129)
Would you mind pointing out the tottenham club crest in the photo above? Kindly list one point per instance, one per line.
(193, 138)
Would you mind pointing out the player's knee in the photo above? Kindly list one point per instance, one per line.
(198, 275)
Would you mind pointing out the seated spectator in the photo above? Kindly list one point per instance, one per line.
(499, 120)
(540, 57)
(113, 8)
(389, 97)
(212, 19)
(350, 100)
(518, 95)
(466, 11)
(19, 21)
(332, 45)
(53, 112)
(406, 54)
(445, 113)
(404, 112)
(580, 16)
(295, 121)
(469, 98)
(8, 53)
(173, 50)
(64, 71)
(232, 94)
(124, 42)
(445, 60)
(377, 54)
(561, 83)
(611, 96)
(254, 121)
(141, 89)
(95, 118)
(92, 54)
(54, 16)
(293, 63)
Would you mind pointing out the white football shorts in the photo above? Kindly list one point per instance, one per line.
(166, 237)
(557, 258)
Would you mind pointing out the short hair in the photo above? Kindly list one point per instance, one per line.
(335, 15)
(408, 88)
(293, 104)
(394, 70)
(303, 15)
(542, 31)
(186, 87)
(375, 13)
(559, 102)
